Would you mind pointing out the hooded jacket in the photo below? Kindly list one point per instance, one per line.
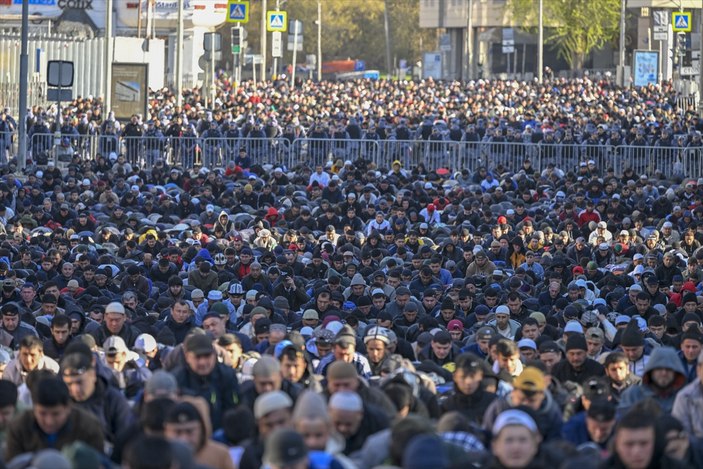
(662, 357)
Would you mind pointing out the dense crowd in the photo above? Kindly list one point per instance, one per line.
(350, 315)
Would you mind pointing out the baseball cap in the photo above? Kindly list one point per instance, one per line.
(601, 410)
(486, 333)
(455, 325)
(145, 343)
(530, 380)
(549, 346)
(595, 333)
(596, 389)
(114, 345)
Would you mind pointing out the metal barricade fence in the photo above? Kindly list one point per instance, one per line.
(455, 156)
(318, 151)
(7, 146)
(221, 151)
(60, 148)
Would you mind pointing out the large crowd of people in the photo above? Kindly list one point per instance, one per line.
(349, 312)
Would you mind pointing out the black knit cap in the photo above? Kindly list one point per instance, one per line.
(631, 336)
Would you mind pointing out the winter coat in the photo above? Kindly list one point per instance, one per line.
(663, 357)
(220, 389)
(25, 436)
(548, 417)
(687, 408)
(110, 407)
(473, 406)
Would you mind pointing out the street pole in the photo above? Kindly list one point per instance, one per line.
(470, 42)
(700, 67)
(179, 56)
(275, 59)
(295, 52)
(24, 78)
(387, 31)
(108, 58)
(540, 43)
(264, 7)
(621, 46)
(319, 40)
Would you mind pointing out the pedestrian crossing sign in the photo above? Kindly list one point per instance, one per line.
(681, 22)
(238, 11)
(277, 21)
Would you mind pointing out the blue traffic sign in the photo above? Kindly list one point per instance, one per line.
(681, 22)
(238, 11)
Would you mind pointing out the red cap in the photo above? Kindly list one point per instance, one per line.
(455, 325)
(430, 207)
(578, 270)
(502, 220)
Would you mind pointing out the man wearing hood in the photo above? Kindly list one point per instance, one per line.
(663, 377)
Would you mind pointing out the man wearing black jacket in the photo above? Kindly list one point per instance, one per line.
(468, 396)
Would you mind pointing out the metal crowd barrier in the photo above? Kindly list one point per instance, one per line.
(455, 156)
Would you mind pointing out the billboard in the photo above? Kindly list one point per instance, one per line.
(129, 89)
(645, 69)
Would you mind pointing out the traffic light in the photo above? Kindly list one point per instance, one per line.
(236, 40)
(681, 41)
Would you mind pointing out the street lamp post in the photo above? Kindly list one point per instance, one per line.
(621, 46)
(179, 56)
(319, 40)
(108, 57)
(540, 42)
(264, 7)
(470, 42)
(24, 77)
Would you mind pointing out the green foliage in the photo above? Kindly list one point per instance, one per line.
(576, 27)
(351, 30)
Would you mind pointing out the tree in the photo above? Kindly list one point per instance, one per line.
(351, 30)
(575, 27)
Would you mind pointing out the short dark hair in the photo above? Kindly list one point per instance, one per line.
(50, 392)
(153, 413)
(634, 420)
(614, 357)
(31, 342)
(238, 424)
(60, 320)
(149, 452)
(530, 322)
(512, 296)
(506, 348)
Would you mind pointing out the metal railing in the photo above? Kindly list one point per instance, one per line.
(433, 154)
